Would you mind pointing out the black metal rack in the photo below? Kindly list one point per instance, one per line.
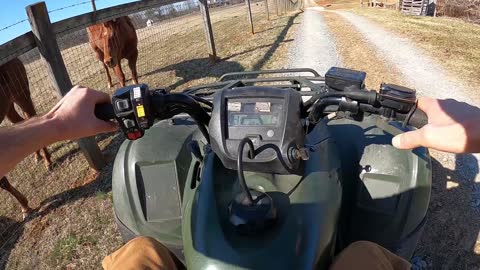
(290, 78)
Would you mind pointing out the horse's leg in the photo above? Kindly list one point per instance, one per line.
(119, 73)
(109, 78)
(13, 116)
(132, 64)
(4, 107)
(99, 55)
(4, 184)
(26, 104)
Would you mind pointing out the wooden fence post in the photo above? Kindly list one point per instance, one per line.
(47, 46)
(250, 19)
(266, 9)
(207, 24)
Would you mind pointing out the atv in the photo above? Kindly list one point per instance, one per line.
(277, 169)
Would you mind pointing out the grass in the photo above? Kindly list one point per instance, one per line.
(337, 4)
(101, 195)
(65, 248)
(73, 202)
(452, 42)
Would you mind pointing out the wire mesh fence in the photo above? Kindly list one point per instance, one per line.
(172, 54)
(466, 9)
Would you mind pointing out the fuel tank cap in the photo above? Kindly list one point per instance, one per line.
(251, 219)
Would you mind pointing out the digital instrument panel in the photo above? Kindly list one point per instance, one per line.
(261, 114)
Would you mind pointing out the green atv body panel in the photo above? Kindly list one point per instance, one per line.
(355, 186)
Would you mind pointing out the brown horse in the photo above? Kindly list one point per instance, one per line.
(14, 89)
(113, 41)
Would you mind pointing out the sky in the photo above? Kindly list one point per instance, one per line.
(12, 11)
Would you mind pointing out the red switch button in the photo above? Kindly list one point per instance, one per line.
(134, 135)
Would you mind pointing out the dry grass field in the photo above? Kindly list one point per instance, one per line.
(72, 227)
(453, 42)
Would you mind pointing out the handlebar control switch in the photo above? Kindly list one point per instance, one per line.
(399, 98)
(122, 105)
(132, 110)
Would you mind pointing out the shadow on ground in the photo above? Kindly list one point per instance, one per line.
(204, 67)
(280, 39)
(10, 232)
(197, 69)
(449, 240)
(98, 182)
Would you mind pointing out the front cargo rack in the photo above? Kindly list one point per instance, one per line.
(279, 78)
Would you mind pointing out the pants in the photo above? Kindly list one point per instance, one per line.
(145, 253)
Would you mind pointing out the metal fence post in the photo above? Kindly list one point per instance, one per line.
(266, 9)
(250, 19)
(47, 45)
(207, 24)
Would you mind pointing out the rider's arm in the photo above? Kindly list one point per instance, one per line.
(452, 127)
(72, 118)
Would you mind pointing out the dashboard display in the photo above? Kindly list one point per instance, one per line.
(257, 113)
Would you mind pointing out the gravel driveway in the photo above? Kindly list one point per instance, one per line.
(314, 46)
(455, 194)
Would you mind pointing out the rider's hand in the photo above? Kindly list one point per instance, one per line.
(74, 114)
(452, 127)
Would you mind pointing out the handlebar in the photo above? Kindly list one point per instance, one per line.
(389, 106)
(160, 105)
(104, 111)
(416, 119)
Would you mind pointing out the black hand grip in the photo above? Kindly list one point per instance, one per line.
(416, 119)
(104, 111)
(419, 119)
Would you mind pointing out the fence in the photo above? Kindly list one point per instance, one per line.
(177, 42)
(466, 9)
(284, 6)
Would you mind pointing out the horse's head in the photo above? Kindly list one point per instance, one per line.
(111, 42)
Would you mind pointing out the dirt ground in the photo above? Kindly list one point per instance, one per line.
(72, 227)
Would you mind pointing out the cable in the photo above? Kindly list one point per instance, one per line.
(241, 176)
(409, 115)
(369, 97)
(70, 6)
(202, 100)
(13, 24)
